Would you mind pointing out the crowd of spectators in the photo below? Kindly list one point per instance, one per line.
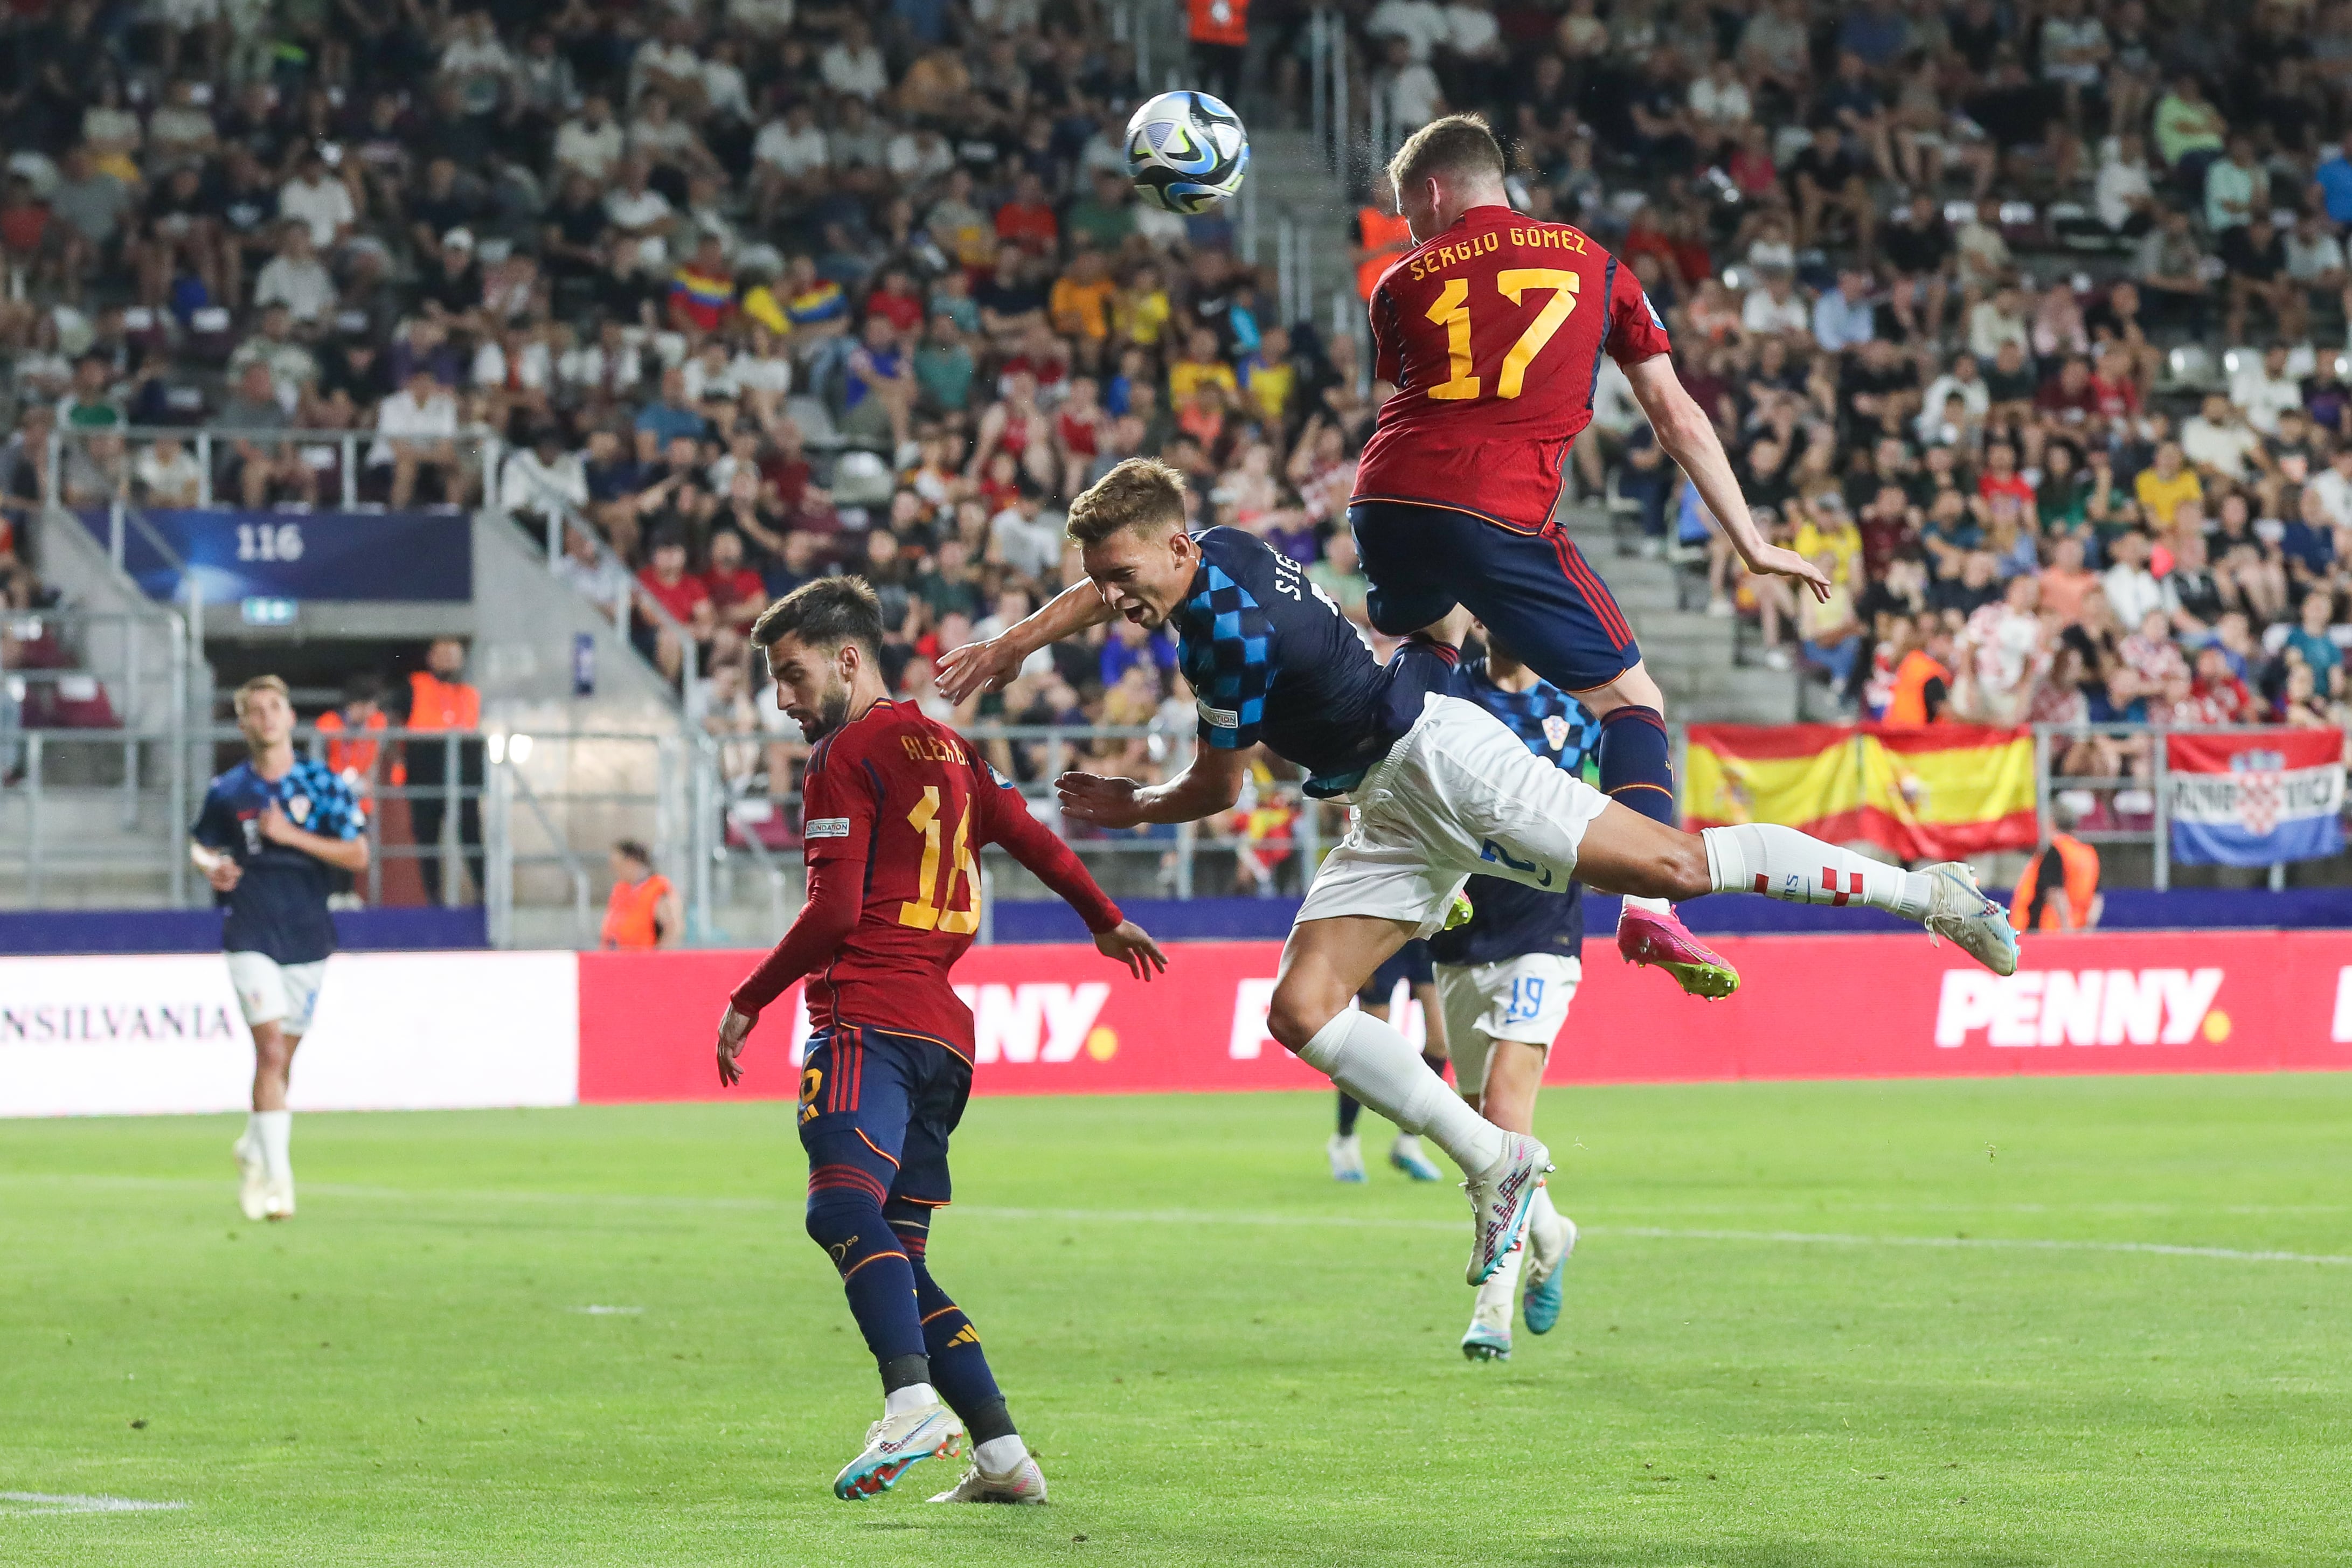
(2026, 321)
(754, 290)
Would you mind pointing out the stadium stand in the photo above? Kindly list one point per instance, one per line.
(2027, 319)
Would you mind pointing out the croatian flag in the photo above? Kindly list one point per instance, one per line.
(2256, 798)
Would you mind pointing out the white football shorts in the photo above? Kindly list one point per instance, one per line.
(1524, 998)
(1458, 793)
(268, 991)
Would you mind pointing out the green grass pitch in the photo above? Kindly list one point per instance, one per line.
(1801, 1332)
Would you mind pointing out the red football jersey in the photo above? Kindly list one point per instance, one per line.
(895, 810)
(1493, 333)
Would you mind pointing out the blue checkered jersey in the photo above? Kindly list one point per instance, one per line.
(279, 907)
(1511, 919)
(1270, 658)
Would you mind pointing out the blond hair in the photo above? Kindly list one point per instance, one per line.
(261, 683)
(1452, 145)
(1141, 492)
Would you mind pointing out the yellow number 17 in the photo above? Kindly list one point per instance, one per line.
(1451, 311)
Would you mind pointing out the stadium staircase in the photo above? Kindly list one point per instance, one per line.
(1694, 658)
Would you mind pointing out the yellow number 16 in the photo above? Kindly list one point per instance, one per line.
(1451, 311)
(922, 911)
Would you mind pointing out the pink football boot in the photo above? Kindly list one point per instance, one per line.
(1646, 936)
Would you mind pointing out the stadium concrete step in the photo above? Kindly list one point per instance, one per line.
(1691, 656)
(1292, 181)
(88, 858)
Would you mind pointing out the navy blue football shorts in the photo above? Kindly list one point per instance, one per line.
(886, 1104)
(1536, 592)
(1411, 964)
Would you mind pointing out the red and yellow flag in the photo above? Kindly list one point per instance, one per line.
(1939, 793)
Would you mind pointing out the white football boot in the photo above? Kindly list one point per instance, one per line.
(1499, 1198)
(1347, 1154)
(253, 1179)
(1024, 1483)
(279, 1203)
(894, 1442)
(1960, 911)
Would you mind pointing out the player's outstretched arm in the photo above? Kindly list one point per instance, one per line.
(1133, 946)
(1687, 436)
(990, 666)
(1210, 784)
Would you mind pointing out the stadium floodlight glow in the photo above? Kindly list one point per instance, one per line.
(495, 744)
(519, 748)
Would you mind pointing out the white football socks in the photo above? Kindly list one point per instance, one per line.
(1001, 1455)
(1499, 1297)
(914, 1396)
(1655, 906)
(1542, 1216)
(272, 1131)
(1379, 1066)
(1783, 863)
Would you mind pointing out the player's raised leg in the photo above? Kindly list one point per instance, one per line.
(856, 1094)
(1324, 961)
(1473, 796)
(1623, 852)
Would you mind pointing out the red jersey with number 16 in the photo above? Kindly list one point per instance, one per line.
(1493, 333)
(896, 808)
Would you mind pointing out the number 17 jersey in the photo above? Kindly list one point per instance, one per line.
(1492, 334)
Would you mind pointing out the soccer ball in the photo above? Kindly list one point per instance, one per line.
(1186, 152)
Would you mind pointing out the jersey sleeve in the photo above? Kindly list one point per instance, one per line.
(1005, 821)
(838, 809)
(1636, 330)
(1388, 338)
(1232, 691)
(215, 824)
(340, 815)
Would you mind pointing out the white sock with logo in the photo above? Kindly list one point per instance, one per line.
(1001, 1455)
(914, 1396)
(1379, 1066)
(1795, 867)
(1655, 906)
(273, 1133)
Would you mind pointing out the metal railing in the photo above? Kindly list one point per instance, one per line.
(210, 444)
(2147, 822)
(1332, 66)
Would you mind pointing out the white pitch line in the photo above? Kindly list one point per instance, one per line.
(608, 1312)
(1198, 1216)
(1656, 1233)
(73, 1502)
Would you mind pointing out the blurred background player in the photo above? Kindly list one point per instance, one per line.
(643, 913)
(1410, 968)
(1505, 980)
(270, 836)
(897, 809)
(1491, 332)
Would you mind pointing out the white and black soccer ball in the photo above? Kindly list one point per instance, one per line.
(1186, 152)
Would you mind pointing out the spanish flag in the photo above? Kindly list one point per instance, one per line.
(1939, 793)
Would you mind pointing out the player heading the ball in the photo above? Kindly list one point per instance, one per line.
(1490, 333)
